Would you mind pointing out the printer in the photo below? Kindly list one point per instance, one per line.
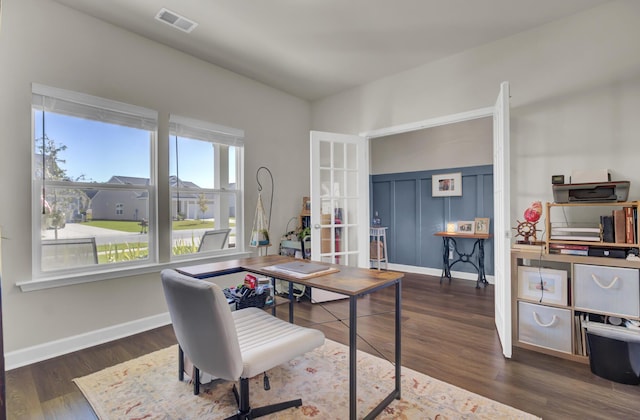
(590, 192)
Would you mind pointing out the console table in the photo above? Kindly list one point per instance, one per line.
(351, 281)
(448, 239)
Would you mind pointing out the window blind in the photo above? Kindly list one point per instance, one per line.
(202, 130)
(81, 105)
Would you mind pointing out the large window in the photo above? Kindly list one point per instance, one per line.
(206, 187)
(93, 182)
(94, 186)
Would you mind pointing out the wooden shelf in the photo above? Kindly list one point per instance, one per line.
(543, 258)
(564, 258)
(567, 356)
(593, 243)
(613, 245)
(568, 263)
(597, 203)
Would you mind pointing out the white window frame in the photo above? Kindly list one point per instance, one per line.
(218, 135)
(119, 209)
(43, 280)
(87, 106)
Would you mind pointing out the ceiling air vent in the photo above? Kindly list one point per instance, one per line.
(175, 20)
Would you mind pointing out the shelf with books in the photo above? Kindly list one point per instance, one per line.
(575, 282)
(568, 249)
(616, 227)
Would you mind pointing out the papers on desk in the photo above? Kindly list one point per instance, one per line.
(281, 268)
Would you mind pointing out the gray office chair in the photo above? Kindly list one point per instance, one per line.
(213, 240)
(233, 346)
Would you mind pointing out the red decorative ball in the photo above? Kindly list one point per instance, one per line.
(533, 213)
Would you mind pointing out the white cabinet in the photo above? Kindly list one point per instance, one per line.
(599, 290)
(575, 279)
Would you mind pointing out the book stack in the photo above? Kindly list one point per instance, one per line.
(569, 249)
(571, 233)
(522, 246)
(580, 340)
(623, 225)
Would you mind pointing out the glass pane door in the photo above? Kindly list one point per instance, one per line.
(339, 199)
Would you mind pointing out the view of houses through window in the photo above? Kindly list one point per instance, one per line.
(94, 187)
(92, 180)
(205, 163)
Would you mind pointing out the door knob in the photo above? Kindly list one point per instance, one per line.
(316, 226)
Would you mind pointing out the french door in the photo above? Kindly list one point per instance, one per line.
(340, 187)
(502, 231)
(339, 199)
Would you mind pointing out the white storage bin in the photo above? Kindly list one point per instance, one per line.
(544, 326)
(612, 290)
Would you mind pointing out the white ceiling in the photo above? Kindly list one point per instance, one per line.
(314, 48)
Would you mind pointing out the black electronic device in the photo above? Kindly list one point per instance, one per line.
(557, 179)
(591, 192)
(607, 252)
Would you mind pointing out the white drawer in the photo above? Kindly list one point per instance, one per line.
(544, 326)
(612, 290)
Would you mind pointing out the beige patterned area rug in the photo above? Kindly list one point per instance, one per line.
(148, 388)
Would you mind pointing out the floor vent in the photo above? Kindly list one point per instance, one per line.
(175, 20)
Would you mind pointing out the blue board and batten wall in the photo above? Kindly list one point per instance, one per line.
(404, 204)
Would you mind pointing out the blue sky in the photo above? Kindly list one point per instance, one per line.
(99, 150)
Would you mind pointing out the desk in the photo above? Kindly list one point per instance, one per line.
(449, 238)
(350, 281)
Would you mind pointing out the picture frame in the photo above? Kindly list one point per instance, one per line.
(306, 206)
(446, 185)
(467, 227)
(482, 225)
(542, 285)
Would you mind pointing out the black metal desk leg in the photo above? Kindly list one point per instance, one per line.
(180, 363)
(353, 349)
(291, 303)
(396, 393)
(273, 292)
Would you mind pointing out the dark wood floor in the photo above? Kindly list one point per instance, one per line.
(447, 332)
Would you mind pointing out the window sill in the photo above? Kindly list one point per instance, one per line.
(71, 279)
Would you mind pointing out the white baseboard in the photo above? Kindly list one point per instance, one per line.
(40, 352)
(437, 272)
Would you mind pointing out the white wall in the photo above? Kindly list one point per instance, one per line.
(467, 143)
(575, 98)
(42, 41)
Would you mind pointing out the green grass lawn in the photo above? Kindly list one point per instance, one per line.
(128, 226)
(124, 251)
(192, 224)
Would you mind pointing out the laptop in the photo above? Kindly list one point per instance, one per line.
(302, 267)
